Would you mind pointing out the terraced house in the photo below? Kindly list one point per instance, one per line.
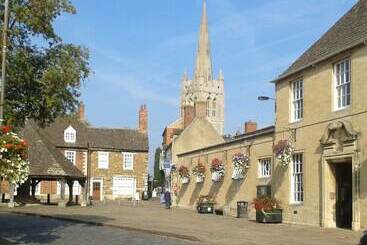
(322, 113)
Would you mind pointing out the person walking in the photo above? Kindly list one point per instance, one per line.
(167, 199)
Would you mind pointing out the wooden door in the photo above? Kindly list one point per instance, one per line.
(96, 191)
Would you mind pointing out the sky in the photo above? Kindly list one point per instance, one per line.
(139, 51)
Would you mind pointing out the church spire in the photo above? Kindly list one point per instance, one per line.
(203, 59)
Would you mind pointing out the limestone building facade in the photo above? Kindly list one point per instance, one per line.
(322, 114)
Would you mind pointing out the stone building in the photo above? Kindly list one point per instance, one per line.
(114, 161)
(322, 114)
(321, 108)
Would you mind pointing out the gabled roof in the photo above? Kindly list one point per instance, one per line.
(46, 161)
(55, 132)
(100, 138)
(350, 31)
(117, 139)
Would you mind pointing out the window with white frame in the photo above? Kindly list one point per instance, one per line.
(103, 158)
(297, 100)
(128, 160)
(342, 73)
(70, 135)
(297, 178)
(264, 167)
(71, 156)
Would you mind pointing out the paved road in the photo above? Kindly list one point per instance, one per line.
(19, 229)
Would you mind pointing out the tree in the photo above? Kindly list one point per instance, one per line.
(44, 74)
(158, 173)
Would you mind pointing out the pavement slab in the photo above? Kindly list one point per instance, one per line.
(151, 217)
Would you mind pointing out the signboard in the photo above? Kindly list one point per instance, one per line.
(167, 165)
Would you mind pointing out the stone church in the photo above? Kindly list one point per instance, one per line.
(203, 94)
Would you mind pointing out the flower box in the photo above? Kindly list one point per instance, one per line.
(185, 180)
(237, 174)
(216, 176)
(273, 216)
(199, 179)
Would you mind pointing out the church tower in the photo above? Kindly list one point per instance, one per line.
(203, 94)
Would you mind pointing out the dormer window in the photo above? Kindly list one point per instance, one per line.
(70, 135)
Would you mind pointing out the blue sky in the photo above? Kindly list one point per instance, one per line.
(140, 49)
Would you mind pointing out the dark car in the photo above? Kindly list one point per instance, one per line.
(205, 205)
(363, 240)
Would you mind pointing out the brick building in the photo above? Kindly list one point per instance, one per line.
(114, 160)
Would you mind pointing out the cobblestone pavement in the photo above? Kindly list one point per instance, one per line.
(150, 217)
(20, 229)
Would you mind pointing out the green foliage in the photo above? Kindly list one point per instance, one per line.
(158, 176)
(44, 74)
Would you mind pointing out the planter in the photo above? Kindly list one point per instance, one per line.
(199, 179)
(274, 216)
(216, 176)
(237, 174)
(185, 180)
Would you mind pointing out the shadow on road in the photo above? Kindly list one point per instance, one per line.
(15, 229)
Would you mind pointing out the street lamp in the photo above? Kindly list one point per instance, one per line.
(263, 98)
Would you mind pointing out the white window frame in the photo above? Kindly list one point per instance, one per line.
(265, 172)
(103, 160)
(342, 82)
(297, 101)
(297, 179)
(70, 135)
(69, 153)
(124, 154)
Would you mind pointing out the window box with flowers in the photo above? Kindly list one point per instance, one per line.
(240, 163)
(184, 174)
(268, 210)
(283, 151)
(217, 169)
(199, 172)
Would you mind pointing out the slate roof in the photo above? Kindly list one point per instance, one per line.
(350, 31)
(100, 138)
(46, 161)
(117, 139)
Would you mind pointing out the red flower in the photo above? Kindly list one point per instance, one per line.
(8, 146)
(6, 129)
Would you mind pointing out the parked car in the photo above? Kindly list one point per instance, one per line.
(205, 205)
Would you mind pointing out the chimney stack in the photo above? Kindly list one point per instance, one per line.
(143, 119)
(188, 115)
(81, 112)
(250, 127)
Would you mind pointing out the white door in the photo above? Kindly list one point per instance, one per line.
(123, 186)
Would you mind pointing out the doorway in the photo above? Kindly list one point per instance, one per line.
(96, 194)
(344, 200)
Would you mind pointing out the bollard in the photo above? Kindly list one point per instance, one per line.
(48, 199)
(76, 199)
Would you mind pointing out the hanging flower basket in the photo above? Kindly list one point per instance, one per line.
(217, 169)
(184, 174)
(14, 166)
(283, 151)
(199, 172)
(240, 163)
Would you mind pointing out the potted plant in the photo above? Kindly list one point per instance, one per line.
(205, 204)
(283, 151)
(240, 162)
(268, 210)
(199, 172)
(184, 174)
(217, 169)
